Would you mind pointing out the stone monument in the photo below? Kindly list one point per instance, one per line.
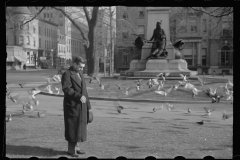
(171, 64)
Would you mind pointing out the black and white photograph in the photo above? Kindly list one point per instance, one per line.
(119, 81)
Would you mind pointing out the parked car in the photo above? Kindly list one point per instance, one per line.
(63, 68)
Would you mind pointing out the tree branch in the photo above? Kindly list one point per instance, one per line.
(213, 15)
(72, 21)
(33, 17)
(86, 14)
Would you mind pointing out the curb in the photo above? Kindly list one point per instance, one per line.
(138, 100)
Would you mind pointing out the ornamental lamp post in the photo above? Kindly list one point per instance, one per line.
(52, 57)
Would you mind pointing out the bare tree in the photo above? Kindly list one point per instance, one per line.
(216, 16)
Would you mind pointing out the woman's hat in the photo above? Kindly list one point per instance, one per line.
(90, 117)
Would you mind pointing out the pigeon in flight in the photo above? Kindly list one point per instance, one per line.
(230, 83)
(161, 85)
(181, 83)
(154, 109)
(13, 98)
(189, 111)
(226, 116)
(195, 92)
(208, 111)
(118, 107)
(166, 92)
(58, 90)
(8, 118)
(184, 77)
(175, 87)
(170, 107)
(40, 115)
(149, 83)
(201, 81)
(119, 86)
(27, 106)
(21, 85)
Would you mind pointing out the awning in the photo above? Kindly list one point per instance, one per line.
(14, 58)
(10, 59)
(20, 58)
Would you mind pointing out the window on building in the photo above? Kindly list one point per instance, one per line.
(44, 15)
(125, 35)
(193, 25)
(141, 14)
(51, 15)
(204, 58)
(125, 15)
(226, 30)
(141, 30)
(34, 42)
(39, 30)
(28, 40)
(189, 59)
(124, 59)
(34, 29)
(204, 25)
(225, 56)
(183, 26)
(204, 62)
(45, 32)
(39, 42)
(28, 57)
(20, 40)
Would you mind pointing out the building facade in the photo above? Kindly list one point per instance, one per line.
(49, 39)
(208, 42)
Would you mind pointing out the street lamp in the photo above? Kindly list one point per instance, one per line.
(52, 57)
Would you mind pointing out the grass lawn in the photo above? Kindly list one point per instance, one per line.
(136, 133)
(109, 137)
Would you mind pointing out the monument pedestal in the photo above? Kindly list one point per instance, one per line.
(174, 67)
(152, 67)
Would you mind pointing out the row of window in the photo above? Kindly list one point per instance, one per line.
(48, 32)
(141, 14)
(48, 44)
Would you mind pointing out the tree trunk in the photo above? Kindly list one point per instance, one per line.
(90, 54)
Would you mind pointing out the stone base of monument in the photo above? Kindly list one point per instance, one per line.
(135, 65)
(174, 67)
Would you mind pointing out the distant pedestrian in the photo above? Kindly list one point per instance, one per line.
(24, 67)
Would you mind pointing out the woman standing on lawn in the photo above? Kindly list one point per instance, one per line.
(76, 106)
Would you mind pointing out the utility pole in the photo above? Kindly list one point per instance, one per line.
(111, 64)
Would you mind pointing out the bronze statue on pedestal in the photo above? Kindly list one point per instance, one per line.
(158, 50)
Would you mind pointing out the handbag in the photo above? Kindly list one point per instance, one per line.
(89, 116)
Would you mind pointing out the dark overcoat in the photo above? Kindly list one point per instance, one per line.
(75, 112)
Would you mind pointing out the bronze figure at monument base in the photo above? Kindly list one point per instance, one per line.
(178, 46)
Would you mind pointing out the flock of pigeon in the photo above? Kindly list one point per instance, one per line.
(160, 89)
(152, 83)
(28, 106)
